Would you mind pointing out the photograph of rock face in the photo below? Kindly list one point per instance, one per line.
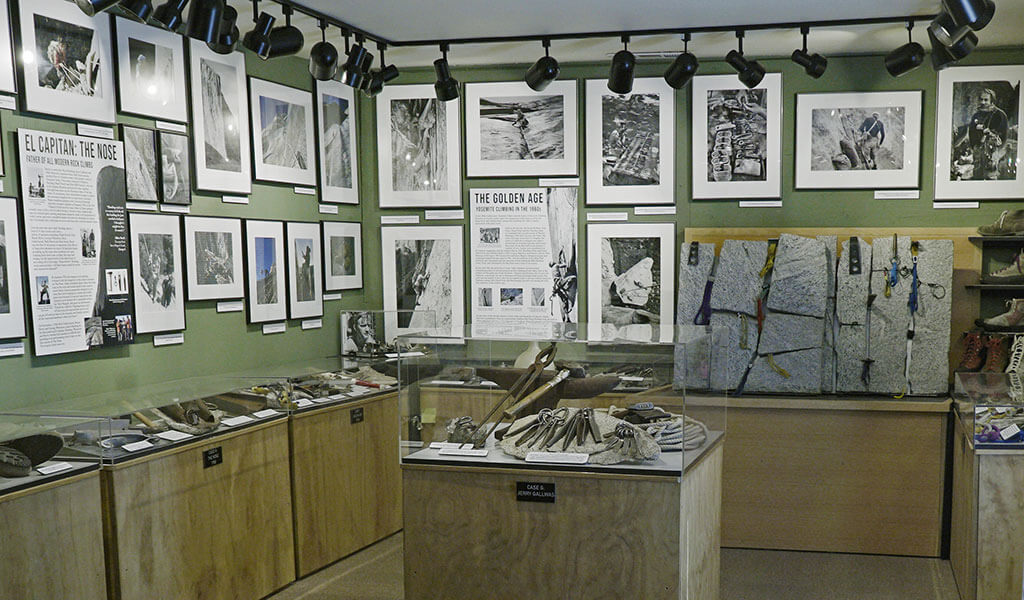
(5, 294)
(419, 151)
(630, 280)
(175, 174)
(343, 255)
(214, 260)
(337, 141)
(266, 271)
(140, 163)
(424, 283)
(304, 281)
(630, 139)
(156, 265)
(283, 133)
(522, 128)
(220, 124)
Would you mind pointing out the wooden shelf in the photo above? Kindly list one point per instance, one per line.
(995, 286)
(998, 239)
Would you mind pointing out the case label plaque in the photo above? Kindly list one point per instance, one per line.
(356, 415)
(212, 457)
(534, 491)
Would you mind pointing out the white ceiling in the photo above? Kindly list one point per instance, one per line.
(401, 20)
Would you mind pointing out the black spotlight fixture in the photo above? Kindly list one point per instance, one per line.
(944, 30)
(227, 37)
(750, 72)
(379, 77)
(446, 87)
(204, 17)
(168, 16)
(544, 71)
(944, 55)
(683, 68)
(813, 64)
(138, 10)
(975, 14)
(620, 76)
(907, 57)
(92, 7)
(356, 72)
(285, 40)
(258, 39)
(323, 57)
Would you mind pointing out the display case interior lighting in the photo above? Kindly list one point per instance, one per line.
(204, 17)
(907, 57)
(357, 65)
(287, 39)
(683, 68)
(544, 71)
(750, 72)
(382, 76)
(169, 15)
(323, 57)
(258, 38)
(93, 7)
(814, 64)
(227, 37)
(446, 87)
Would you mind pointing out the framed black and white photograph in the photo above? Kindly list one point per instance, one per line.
(141, 169)
(977, 150)
(265, 256)
(858, 140)
(512, 130)
(213, 258)
(7, 79)
(156, 263)
(737, 137)
(630, 269)
(150, 71)
(220, 120)
(336, 133)
(419, 159)
(343, 255)
(283, 145)
(423, 280)
(305, 286)
(175, 169)
(631, 137)
(12, 304)
(359, 332)
(67, 61)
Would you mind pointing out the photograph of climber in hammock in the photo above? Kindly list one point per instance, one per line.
(522, 128)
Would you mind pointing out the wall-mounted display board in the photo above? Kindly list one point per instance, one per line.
(737, 137)
(423, 279)
(630, 143)
(976, 144)
(282, 133)
(76, 235)
(418, 152)
(68, 67)
(150, 71)
(336, 132)
(12, 306)
(264, 251)
(513, 130)
(7, 83)
(175, 169)
(858, 140)
(213, 258)
(220, 119)
(156, 264)
(523, 274)
(305, 283)
(343, 255)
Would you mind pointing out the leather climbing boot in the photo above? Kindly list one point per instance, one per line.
(974, 347)
(1011, 273)
(995, 354)
(1016, 362)
(1010, 222)
(1011, 320)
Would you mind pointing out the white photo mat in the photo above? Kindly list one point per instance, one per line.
(619, 129)
(610, 319)
(150, 71)
(419, 161)
(264, 259)
(959, 89)
(766, 184)
(227, 168)
(829, 129)
(336, 139)
(156, 268)
(86, 94)
(12, 302)
(217, 244)
(7, 78)
(343, 255)
(283, 145)
(512, 130)
(305, 270)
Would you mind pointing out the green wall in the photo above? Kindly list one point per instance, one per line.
(221, 343)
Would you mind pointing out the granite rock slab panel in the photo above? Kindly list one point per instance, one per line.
(799, 282)
(849, 357)
(889, 318)
(737, 357)
(692, 281)
(738, 277)
(828, 365)
(929, 358)
(852, 290)
(783, 332)
(803, 367)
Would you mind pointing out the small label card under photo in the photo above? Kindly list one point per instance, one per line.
(328, 209)
(96, 131)
(168, 126)
(560, 182)
(12, 349)
(1008, 432)
(305, 191)
(336, 296)
(270, 328)
(230, 306)
(561, 458)
(897, 194)
(263, 414)
(181, 209)
(174, 436)
(956, 205)
(654, 210)
(136, 446)
(169, 339)
(235, 199)
(52, 468)
(607, 216)
(313, 324)
(149, 206)
(760, 203)
(399, 219)
(235, 421)
(8, 102)
(444, 215)
(462, 452)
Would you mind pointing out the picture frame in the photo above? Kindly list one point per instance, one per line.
(513, 131)
(83, 88)
(858, 140)
(213, 258)
(305, 270)
(157, 272)
(418, 166)
(12, 299)
(336, 139)
(284, 148)
(630, 270)
(623, 131)
(429, 300)
(265, 271)
(150, 71)
(141, 166)
(343, 255)
(752, 167)
(8, 80)
(220, 115)
(976, 155)
(175, 169)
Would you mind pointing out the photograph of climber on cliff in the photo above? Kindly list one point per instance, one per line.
(522, 128)
(857, 138)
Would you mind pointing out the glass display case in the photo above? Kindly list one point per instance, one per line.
(991, 405)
